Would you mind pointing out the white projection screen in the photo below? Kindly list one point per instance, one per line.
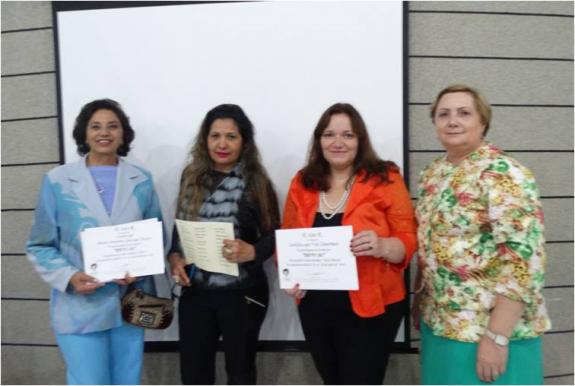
(284, 63)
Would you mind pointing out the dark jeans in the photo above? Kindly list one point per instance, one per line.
(346, 348)
(236, 316)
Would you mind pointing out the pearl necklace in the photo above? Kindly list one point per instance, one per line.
(338, 206)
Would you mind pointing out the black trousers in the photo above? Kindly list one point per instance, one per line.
(346, 348)
(236, 316)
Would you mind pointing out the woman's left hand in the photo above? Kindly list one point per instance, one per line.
(127, 280)
(491, 360)
(238, 251)
(365, 243)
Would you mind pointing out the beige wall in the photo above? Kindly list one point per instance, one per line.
(520, 54)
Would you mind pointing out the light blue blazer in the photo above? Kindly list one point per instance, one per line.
(69, 203)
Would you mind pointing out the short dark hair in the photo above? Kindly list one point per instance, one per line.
(315, 175)
(86, 113)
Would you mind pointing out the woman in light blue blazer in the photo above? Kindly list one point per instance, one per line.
(99, 190)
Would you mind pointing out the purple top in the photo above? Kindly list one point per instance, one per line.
(105, 180)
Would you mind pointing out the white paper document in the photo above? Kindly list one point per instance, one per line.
(316, 258)
(134, 248)
(203, 242)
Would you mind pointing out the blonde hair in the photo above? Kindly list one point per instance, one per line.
(482, 106)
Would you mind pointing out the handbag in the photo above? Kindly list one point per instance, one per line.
(144, 310)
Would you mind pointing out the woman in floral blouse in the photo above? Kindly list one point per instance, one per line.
(481, 259)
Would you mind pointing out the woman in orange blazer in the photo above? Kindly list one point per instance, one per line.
(349, 333)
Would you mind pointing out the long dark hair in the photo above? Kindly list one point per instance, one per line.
(196, 176)
(86, 113)
(315, 175)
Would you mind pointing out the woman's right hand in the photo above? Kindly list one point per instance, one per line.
(178, 269)
(84, 283)
(295, 292)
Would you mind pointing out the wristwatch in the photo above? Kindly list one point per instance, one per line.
(499, 340)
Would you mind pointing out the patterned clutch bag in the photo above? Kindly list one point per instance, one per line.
(144, 310)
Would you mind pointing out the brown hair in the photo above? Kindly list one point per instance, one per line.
(482, 106)
(196, 176)
(315, 175)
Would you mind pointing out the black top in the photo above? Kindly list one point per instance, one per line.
(328, 299)
(251, 273)
(319, 221)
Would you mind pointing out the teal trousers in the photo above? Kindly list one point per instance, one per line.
(450, 362)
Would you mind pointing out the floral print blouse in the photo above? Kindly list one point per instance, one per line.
(480, 234)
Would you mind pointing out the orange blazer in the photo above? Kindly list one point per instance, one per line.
(372, 205)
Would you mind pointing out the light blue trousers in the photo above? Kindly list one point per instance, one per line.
(111, 357)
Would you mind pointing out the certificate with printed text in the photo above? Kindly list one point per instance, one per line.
(135, 248)
(203, 242)
(316, 258)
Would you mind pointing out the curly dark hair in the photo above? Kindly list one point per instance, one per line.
(86, 113)
(315, 175)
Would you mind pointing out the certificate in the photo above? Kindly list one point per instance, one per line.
(203, 242)
(134, 248)
(316, 258)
